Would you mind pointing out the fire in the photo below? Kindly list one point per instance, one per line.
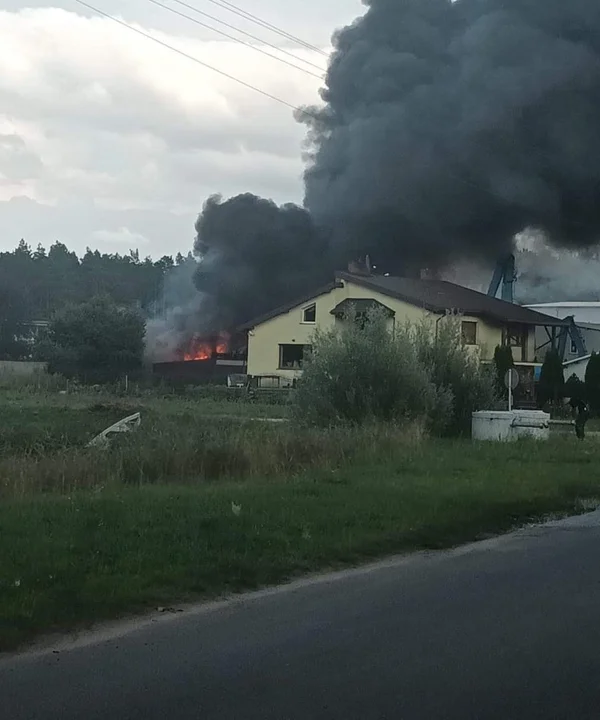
(203, 349)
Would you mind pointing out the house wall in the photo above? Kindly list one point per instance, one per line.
(576, 368)
(288, 328)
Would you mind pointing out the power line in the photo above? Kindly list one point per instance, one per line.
(254, 37)
(298, 110)
(263, 23)
(266, 94)
(235, 39)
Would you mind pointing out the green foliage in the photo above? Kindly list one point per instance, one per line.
(462, 383)
(363, 372)
(360, 372)
(95, 341)
(550, 389)
(68, 558)
(592, 383)
(503, 361)
(45, 281)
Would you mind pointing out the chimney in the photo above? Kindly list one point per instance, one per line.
(360, 266)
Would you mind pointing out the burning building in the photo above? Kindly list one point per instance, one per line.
(204, 359)
(447, 128)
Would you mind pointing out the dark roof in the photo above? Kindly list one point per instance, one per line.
(289, 306)
(441, 296)
(359, 305)
(434, 295)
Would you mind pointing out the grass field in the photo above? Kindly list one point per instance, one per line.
(202, 500)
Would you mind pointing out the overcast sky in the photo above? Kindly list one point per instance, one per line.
(111, 141)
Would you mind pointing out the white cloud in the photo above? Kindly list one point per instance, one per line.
(97, 122)
(121, 236)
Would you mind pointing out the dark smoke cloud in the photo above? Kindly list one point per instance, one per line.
(254, 256)
(447, 128)
(450, 127)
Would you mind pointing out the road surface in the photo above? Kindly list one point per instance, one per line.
(507, 628)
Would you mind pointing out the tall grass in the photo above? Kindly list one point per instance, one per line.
(190, 450)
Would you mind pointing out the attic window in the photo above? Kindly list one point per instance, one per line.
(309, 314)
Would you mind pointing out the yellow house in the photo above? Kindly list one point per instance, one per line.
(278, 341)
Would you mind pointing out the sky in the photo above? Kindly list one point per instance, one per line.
(111, 141)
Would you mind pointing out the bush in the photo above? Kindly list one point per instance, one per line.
(460, 379)
(363, 372)
(592, 383)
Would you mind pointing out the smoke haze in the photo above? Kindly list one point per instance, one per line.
(449, 127)
(446, 129)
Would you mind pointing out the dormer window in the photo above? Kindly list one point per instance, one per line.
(309, 314)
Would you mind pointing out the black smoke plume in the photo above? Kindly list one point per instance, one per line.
(255, 255)
(451, 126)
(446, 129)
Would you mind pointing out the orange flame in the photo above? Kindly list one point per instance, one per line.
(201, 349)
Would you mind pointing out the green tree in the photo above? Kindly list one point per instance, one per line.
(95, 341)
(550, 389)
(503, 361)
(592, 383)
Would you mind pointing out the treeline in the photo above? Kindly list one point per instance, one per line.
(36, 284)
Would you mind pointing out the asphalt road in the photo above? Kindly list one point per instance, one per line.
(507, 628)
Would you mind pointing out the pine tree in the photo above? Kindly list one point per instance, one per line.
(551, 385)
(503, 361)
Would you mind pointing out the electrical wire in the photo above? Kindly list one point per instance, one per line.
(263, 23)
(295, 108)
(253, 37)
(235, 39)
(299, 111)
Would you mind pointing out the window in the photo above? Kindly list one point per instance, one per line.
(309, 314)
(291, 357)
(573, 347)
(469, 332)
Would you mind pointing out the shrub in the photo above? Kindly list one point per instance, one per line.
(361, 372)
(464, 384)
(552, 381)
(592, 383)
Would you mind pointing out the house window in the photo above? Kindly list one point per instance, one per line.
(515, 337)
(573, 348)
(309, 314)
(469, 332)
(291, 357)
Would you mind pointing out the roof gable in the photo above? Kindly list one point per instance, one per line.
(323, 290)
(442, 296)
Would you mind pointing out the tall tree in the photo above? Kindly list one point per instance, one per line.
(96, 341)
(552, 380)
(592, 383)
